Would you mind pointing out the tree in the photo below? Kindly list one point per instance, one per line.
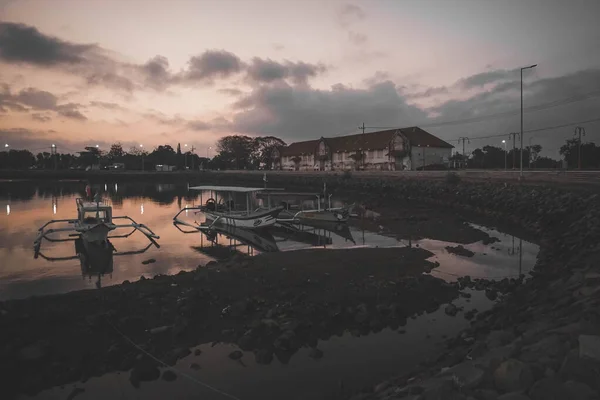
(116, 152)
(590, 154)
(16, 159)
(264, 146)
(164, 155)
(236, 151)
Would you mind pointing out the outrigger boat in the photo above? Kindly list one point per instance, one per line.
(298, 213)
(221, 208)
(93, 224)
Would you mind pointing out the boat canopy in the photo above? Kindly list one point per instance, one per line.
(228, 189)
(290, 194)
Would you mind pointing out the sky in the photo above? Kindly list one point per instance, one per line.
(79, 73)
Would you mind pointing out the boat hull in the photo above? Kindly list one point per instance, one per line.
(322, 216)
(255, 221)
(95, 233)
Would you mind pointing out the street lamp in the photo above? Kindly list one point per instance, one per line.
(522, 69)
(6, 145)
(185, 156)
(141, 147)
(505, 153)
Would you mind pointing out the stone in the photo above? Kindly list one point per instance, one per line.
(465, 375)
(149, 261)
(315, 354)
(144, 371)
(451, 310)
(580, 369)
(263, 356)
(236, 355)
(580, 391)
(160, 329)
(513, 375)
(33, 352)
(194, 366)
(169, 376)
(499, 338)
(513, 396)
(548, 389)
(491, 294)
(486, 394)
(589, 347)
(197, 352)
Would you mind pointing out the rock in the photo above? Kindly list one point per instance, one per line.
(160, 329)
(491, 294)
(465, 375)
(362, 314)
(486, 394)
(149, 261)
(194, 366)
(451, 310)
(263, 356)
(236, 355)
(499, 338)
(580, 391)
(589, 347)
(144, 371)
(181, 352)
(548, 389)
(513, 396)
(315, 354)
(460, 251)
(197, 352)
(169, 376)
(513, 375)
(33, 352)
(580, 369)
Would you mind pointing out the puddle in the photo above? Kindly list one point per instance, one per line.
(341, 369)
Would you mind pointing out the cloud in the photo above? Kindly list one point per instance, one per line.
(357, 38)
(429, 92)
(157, 72)
(266, 70)
(230, 91)
(107, 106)
(20, 43)
(484, 78)
(30, 99)
(198, 125)
(212, 64)
(349, 14)
(40, 117)
(297, 113)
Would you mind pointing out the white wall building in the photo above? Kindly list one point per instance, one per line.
(394, 149)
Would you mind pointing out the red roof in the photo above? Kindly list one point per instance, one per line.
(368, 141)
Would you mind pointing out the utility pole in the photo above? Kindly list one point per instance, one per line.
(524, 68)
(363, 141)
(514, 137)
(579, 131)
(463, 142)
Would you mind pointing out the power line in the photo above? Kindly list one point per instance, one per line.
(539, 107)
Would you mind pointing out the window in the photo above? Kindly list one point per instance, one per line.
(89, 217)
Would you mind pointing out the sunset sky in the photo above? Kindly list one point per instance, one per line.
(86, 72)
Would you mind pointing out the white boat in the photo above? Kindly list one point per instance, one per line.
(221, 208)
(93, 224)
(295, 210)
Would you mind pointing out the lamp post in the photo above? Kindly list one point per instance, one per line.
(185, 155)
(53, 152)
(522, 69)
(505, 153)
(142, 147)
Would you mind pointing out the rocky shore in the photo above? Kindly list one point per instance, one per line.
(539, 342)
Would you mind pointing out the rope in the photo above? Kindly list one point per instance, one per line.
(191, 378)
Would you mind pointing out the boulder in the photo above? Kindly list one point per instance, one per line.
(548, 389)
(236, 355)
(589, 347)
(580, 391)
(263, 356)
(451, 310)
(169, 376)
(512, 376)
(466, 375)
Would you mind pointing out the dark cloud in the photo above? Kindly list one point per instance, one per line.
(20, 43)
(430, 92)
(157, 72)
(484, 78)
(296, 113)
(266, 70)
(212, 64)
(31, 99)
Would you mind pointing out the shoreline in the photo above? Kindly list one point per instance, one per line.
(555, 307)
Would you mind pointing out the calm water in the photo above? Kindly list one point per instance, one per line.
(349, 361)
(29, 205)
